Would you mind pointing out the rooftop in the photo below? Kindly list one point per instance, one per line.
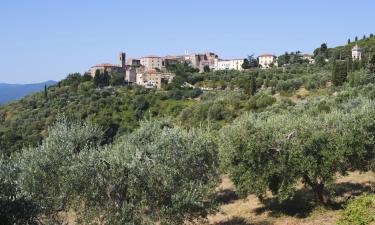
(105, 65)
(267, 55)
(151, 56)
(356, 48)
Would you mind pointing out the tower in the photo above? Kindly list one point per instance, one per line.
(356, 53)
(122, 57)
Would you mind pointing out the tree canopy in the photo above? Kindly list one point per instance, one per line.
(274, 152)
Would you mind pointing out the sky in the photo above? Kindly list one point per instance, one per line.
(48, 39)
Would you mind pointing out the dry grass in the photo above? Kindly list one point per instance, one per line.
(250, 211)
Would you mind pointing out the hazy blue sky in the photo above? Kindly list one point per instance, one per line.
(46, 39)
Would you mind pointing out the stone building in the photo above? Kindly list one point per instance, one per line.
(199, 61)
(357, 53)
(121, 68)
(152, 62)
(134, 62)
(153, 79)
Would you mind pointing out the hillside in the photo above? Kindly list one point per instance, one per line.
(344, 51)
(118, 109)
(291, 145)
(11, 92)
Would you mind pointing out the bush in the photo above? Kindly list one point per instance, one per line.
(359, 211)
(196, 92)
(261, 101)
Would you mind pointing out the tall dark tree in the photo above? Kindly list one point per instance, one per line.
(253, 86)
(206, 69)
(45, 91)
(371, 65)
(339, 73)
(349, 41)
(87, 77)
(246, 64)
(349, 65)
(321, 54)
(356, 38)
(250, 62)
(101, 79)
(117, 79)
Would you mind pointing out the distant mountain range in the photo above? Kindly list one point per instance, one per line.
(11, 92)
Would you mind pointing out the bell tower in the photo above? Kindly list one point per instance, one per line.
(122, 57)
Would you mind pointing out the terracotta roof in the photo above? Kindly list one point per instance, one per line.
(105, 65)
(151, 56)
(171, 57)
(267, 55)
(151, 71)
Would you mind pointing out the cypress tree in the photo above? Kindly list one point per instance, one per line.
(371, 64)
(339, 73)
(253, 86)
(45, 91)
(349, 65)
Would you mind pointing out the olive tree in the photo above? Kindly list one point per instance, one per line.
(159, 173)
(47, 172)
(14, 208)
(274, 152)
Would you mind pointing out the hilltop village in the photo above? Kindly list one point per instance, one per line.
(152, 71)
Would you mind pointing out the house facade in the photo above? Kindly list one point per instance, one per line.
(236, 64)
(152, 62)
(309, 58)
(233, 64)
(222, 65)
(267, 60)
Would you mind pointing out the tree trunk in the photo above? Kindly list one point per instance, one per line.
(321, 198)
(318, 189)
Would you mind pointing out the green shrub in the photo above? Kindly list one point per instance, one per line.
(359, 211)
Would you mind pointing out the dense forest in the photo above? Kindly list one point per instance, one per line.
(119, 154)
